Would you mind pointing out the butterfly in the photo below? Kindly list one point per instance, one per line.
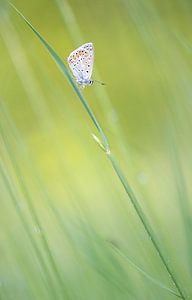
(81, 63)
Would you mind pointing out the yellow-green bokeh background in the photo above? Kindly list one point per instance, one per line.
(143, 51)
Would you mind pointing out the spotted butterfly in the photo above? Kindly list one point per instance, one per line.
(81, 64)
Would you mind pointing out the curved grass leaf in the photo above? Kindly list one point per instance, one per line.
(65, 71)
(144, 273)
(105, 142)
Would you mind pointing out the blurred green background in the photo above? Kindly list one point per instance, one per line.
(62, 206)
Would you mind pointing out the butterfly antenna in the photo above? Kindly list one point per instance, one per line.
(102, 83)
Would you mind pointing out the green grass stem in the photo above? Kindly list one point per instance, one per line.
(114, 163)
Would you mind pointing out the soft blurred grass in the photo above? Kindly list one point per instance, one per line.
(79, 205)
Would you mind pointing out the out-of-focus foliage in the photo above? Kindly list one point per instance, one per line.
(62, 208)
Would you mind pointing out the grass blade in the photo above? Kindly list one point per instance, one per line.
(65, 71)
(155, 281)
(105, 142)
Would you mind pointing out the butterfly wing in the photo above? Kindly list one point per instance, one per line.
(81, 62)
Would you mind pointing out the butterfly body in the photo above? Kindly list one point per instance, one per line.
(81, 64)
(85, 82)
